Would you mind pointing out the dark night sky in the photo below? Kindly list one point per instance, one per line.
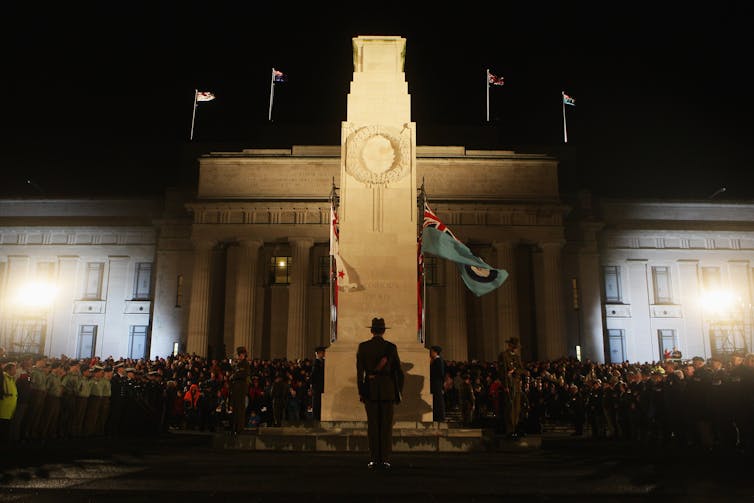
(98, 98)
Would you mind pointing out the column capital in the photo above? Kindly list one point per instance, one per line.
(250, 243)
(555, 244)
(300, 241)
(204, 244)
(504, 244)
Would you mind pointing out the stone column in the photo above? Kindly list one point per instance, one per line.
(300, 249)
(555, 334)
(456, 335)
(199, 306)
(246, 275)
(507, 297)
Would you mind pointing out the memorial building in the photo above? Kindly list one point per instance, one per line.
(243, 258)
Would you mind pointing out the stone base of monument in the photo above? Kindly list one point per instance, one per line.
(351, 436)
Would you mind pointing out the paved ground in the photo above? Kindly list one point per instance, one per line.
(184, 467)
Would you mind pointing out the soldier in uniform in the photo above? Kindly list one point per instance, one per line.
(437, 383)
(118, 396)
(239, 390)
(70, 382)
(38, 394)
(82, 402)
(50, 427)
(105, 396)
(94, 405)
(380, 383)
(511, 369)
(318, 381)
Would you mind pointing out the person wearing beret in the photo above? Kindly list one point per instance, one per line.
(239, 390)
(380, 383)
(437, 383)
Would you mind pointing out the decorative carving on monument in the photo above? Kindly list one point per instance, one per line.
(378, 155)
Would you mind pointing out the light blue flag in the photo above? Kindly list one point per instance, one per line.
(479, 277)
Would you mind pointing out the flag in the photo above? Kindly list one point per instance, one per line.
(495, 81)
(341, 271)
(438, 240)
(567, 100)
(278, 76)
(204, 96)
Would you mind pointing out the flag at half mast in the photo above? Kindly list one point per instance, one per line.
(438, 240)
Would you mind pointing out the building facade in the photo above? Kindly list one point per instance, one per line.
(243, 259)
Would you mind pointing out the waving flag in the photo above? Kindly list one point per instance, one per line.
(341, 271)
(204, 96)
(438, 240)
(494, 80)
(278, 76)
(567, 100)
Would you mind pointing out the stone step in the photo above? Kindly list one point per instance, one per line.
(352, 437)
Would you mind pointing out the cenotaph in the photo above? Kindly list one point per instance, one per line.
(378, 231)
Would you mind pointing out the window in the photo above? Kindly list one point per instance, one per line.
(280, 270)
(143, 281)
(93, 285)
(179, 291)
(661, 282)
(137, 341)
(87, 341)
(323, 272)
(711, 278)
(430, 271)
(612, 284)
(667, 340)
(617, 343)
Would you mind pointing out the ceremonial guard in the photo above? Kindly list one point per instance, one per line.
(118, 396)
(105, 398)
(318, 381)
(239, 390)
(437, 383)
(511, 369)
(70, 382)
(82, 401)
(38, 394)
(50, 427)
(380, 383)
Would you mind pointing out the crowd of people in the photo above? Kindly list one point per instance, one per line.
(703, 403)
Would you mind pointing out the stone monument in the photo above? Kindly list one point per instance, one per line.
(378, 231)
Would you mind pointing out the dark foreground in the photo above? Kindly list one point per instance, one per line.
(184, 467)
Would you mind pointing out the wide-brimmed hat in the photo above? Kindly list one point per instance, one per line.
(378, 326)
(513, 341)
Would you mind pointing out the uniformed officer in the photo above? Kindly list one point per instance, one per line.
(51, 411)
(511, 369)
(82, 401)
(318, 381)
(437, 383)
(71, 382)
(105, 396)
(38, 394)
(239, 390)
(380, 383)
(94, 405)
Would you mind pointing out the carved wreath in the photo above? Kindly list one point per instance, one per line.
(378, 155)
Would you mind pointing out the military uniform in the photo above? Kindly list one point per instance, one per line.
(239, 390)
(70, 382)
(437, 385)
(82, 402)
(511, 369)
(50, 427)
(36, 405)
(380, 382)
(318, 383)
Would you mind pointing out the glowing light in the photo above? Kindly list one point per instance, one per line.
(36, 295)
(719, 301)
(281, 264)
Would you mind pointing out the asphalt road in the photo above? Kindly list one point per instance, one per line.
(184, 467)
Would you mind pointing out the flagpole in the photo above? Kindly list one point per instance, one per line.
(487, 84)
(272, 92)
(333, 272)
(565, 131)
(193, 115)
